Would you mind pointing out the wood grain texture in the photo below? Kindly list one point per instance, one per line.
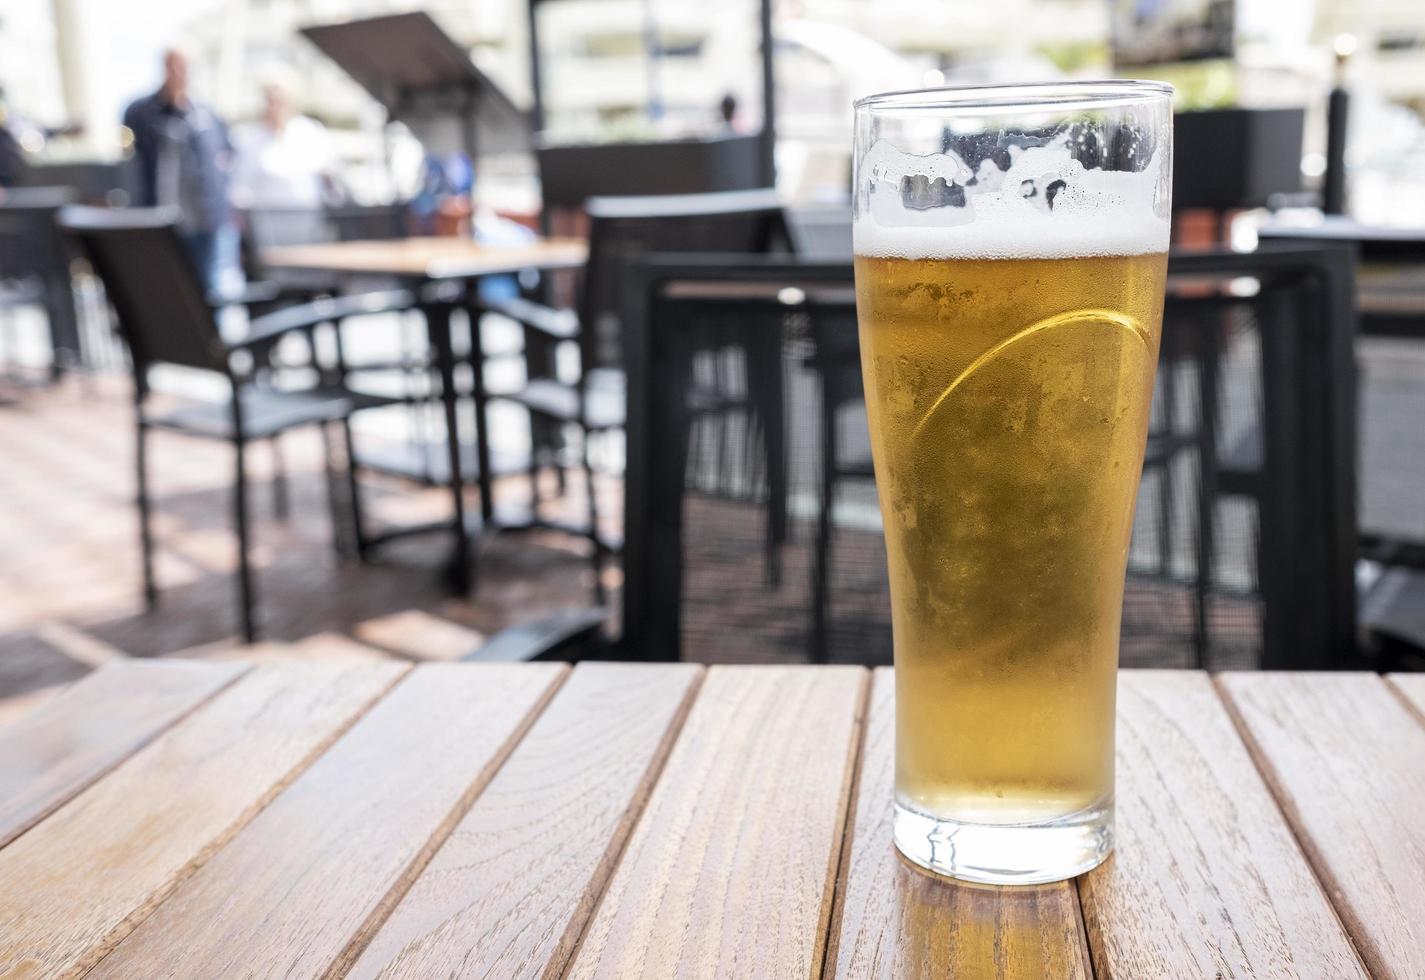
(73, 739)
(1346, 760)
(75, 885)
(1411, 687)
(729, 872)
(321, 866)
(1206, 879)
(17, 706)
(897, 922)
(511, 889)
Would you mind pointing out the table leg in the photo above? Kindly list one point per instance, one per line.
(437, 317)
(482, 428)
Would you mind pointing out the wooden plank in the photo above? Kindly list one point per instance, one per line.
(1206, 879)
(319, 869)
(17, 706)
(53, 753)
(100, 864)
(1412, 688)
(514, 885)
(1346, 760)
(730, 870)
(894, 920)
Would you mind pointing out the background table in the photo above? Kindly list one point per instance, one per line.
(428, 258)
(173, 819)
(424, 262)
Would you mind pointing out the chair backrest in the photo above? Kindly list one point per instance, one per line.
(723, 479)
(32, 248)
(264, 228)
(30, 244)
(152, 284)
(623, 229)
(1251, 561)
(275, 227)
(751, 522)
(360, 222)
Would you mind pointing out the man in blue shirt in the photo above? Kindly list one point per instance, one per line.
(184, 154)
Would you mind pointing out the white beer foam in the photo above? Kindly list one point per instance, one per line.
(1095, 213)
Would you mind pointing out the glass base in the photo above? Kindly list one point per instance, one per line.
(1007, 854)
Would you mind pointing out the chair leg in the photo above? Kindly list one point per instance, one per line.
(281, 494)
(336, 514)
(766, 376)
(594, 537)
(820, 651)
(558, 444)
(354, 491)
(1166, 503)
(246, 600)
(1206, 497)
(150, 585)
(534, 439)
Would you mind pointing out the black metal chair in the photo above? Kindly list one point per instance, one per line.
(1259, 449)
(365, 222)
(836, 363)
(570, 634)
(165, 318)
(696, 534)
(621, 230)
(34, 266)
(1258, 356)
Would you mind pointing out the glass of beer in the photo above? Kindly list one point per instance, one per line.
(1011, 249)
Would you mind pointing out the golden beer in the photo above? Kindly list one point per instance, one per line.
(1010, 245)
(1008, 402)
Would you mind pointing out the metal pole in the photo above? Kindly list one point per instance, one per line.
(536, 90)
(231, 78)
(769, 99)
(652, 50)
(73, 47)
(1333, 187)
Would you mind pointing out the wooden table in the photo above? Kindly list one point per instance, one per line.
(422, 263)
(428, 258)
(172, 819)
(1390, 282)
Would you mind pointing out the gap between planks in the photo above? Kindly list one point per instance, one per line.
(636, 808)
(103, 944)
(753, 766)
(1085, 944)
(831, 927)
(139, 915)
(1415, 709)
(407, 878)
(875, 877)
(98, 772)
(1314, 862)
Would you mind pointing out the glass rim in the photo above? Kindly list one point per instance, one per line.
(1103, 93)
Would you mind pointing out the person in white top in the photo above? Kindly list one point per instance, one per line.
(285, 159)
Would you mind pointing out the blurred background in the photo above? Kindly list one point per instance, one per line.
(639, 70)
(267, 124)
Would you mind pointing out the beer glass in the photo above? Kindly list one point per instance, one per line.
(1010, 259)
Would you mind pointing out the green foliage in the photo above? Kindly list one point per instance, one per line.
(1199, 84)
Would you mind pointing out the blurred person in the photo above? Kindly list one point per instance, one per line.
(184, 156)
(12, 155)
(285, 159)
(728, 113)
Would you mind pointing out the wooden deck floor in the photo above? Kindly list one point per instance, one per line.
(69, 573)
